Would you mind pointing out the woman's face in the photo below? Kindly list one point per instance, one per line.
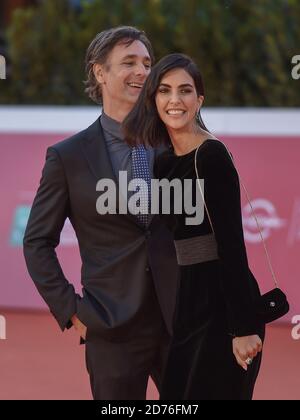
(177, 101)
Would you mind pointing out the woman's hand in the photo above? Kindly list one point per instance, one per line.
(245, 349)
(79, 326)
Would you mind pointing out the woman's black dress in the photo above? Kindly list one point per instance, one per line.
(215, 295)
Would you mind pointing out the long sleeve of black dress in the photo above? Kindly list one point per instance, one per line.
(222, 196)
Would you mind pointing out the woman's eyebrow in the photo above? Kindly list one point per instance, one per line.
(180, 86)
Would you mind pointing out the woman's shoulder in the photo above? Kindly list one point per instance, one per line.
(212, 152)
(216, 158)
(215, 150)
(213, 146)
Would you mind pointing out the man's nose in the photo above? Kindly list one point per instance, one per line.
(140, 70)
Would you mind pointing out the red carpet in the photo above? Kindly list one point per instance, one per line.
(38, 362)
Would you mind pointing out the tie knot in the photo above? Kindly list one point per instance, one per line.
(139, 149)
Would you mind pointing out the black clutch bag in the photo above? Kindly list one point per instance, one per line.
(273, 304)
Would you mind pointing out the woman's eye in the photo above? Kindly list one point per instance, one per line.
(128, 63)
(163, 91)
(186, 91)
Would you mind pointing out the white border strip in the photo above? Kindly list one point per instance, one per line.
(225, 121)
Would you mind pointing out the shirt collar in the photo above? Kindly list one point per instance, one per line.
(113, 127)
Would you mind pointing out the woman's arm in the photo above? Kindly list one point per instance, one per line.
(222, 195)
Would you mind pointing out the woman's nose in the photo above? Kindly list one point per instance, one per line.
(174, 99)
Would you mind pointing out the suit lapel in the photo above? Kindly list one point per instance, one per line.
(155, 153)
(95, 151)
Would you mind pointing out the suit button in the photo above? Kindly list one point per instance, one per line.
(148, 269)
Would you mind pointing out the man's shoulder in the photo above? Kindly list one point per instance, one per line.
(72, 143)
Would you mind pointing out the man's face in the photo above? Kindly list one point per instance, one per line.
(123, 75)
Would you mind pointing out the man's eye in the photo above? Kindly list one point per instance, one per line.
(129, 63)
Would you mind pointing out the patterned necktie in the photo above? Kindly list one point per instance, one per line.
(140, 170)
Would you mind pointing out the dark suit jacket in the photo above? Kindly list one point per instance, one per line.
(118, 254)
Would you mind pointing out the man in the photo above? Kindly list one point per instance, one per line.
(129, 269)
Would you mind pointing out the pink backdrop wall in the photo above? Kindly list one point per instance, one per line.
(269, 167)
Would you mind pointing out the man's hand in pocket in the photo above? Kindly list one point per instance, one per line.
(79, 326)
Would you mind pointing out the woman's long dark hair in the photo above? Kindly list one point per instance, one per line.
(143, 124)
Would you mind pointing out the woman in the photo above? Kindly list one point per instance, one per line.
(216, 348)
